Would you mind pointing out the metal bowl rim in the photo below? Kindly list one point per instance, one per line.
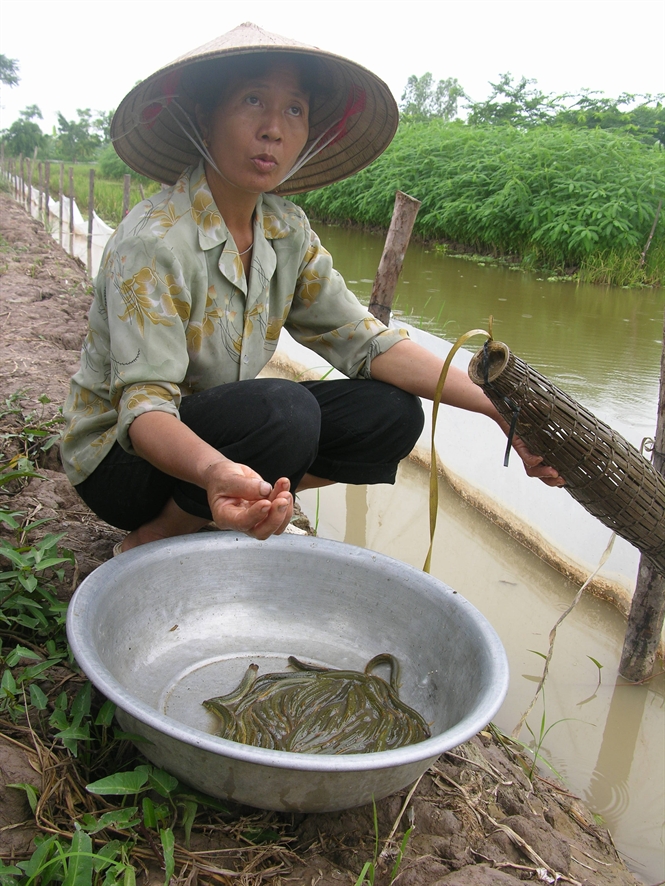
(98, 674)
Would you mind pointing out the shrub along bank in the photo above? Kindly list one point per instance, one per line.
(563, 199)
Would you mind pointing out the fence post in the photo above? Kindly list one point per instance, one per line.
(125, 194)
(41, 186)
(390, 266)
(61, 198)
(71, 210)
(647, 610)
(91, 216)
(20, 196)
(47, 194)
(29, 165)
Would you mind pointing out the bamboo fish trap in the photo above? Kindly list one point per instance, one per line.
(603, 472)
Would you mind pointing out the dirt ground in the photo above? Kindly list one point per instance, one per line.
(476, 818)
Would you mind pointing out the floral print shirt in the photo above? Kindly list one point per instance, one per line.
(173, 313)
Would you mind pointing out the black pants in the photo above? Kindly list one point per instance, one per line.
(348, 431)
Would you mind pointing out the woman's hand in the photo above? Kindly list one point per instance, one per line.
(533, 465)
(412, 368)
(240, 499)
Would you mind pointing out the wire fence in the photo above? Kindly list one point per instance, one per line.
(59, 212)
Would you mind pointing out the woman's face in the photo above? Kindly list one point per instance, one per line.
(258, 130)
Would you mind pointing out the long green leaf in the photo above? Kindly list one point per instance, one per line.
(31, 792)
(119, 784)
(168, 847)
(79, 861)
(189, 810)
(118, 819)
(162, 782)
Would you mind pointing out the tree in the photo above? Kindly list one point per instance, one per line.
(515, 103)
(102, 125)
(423, 99)
(593, 110)
(9, 71)
(111, 166)
(77, 139)
(23, 136)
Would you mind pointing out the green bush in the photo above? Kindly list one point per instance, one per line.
(556, 197)
(110, 166)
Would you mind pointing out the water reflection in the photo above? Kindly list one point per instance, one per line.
(609, 781)
(356, 516)
(600, 344)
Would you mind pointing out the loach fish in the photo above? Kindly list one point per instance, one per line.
(316, 710)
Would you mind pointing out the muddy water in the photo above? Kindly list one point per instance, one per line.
(600, 344)
(606, 739)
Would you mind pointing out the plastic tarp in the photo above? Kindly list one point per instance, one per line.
(76, 242)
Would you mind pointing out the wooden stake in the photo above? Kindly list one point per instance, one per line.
(29, 164)
(61, 199)
(91, 218)
(21, 181)
(41, 190)
(71, 210)
(390, 266)
(125, 195)
(647, 611)
(653, 231)
(47, 193)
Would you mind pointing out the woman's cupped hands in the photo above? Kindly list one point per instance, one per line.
(241, 499)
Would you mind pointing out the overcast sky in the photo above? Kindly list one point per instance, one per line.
(88, 53)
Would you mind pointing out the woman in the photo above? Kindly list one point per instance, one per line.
(167, 426)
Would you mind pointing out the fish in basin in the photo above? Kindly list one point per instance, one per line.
(315, 710)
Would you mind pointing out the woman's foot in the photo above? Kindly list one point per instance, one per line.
(171, 521)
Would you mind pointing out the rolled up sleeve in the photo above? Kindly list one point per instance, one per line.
(147, 307)
(328, 318)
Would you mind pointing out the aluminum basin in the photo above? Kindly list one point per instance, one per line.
(169, 624)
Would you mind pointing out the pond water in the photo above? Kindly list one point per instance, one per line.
(603, 346)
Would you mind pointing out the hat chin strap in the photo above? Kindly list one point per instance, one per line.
(326, 138)
(315, 148)
(334, 132)
(195, 138)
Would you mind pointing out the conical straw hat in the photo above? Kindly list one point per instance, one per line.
(149, 129)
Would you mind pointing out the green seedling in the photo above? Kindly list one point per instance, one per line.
(37, 433)
(370, 869)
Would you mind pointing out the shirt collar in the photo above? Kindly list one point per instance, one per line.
(212, 230)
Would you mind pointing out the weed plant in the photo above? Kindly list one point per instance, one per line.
(558, 198)
(371, 871)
